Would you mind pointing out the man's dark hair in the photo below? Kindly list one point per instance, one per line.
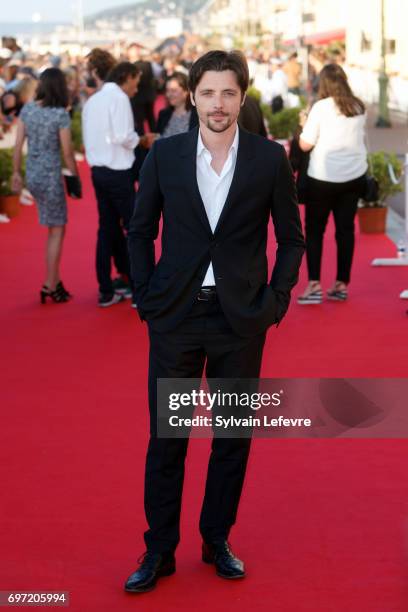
(121, 72)
(52, 89)
(220, 61)
(101, 61)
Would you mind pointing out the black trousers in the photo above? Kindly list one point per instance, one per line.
(115, 195)
(322, 198)
(204, 339)
(119, 254)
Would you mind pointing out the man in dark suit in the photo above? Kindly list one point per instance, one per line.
(207, 301)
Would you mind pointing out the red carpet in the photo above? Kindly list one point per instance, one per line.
(322, 524)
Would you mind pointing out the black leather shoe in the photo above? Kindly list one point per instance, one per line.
(152, 567)
(226, 564)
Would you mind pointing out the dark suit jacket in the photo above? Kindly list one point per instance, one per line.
(165, 116)
(251, 117)
(262, 185)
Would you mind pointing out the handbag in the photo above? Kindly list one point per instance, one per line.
(300, 162)
(72, 185)
(371, 190)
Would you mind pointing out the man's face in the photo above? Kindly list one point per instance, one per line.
(131, 85)
(133, 54)
(218, 99)
(93, 73)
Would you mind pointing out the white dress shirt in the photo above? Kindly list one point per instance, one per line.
(279, 85)
(214, 188)
(108, 129)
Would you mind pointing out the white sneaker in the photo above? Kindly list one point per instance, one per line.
(313, 294)
(109, 299)
(4, 219)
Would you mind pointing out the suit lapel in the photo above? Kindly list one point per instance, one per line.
(189, 153)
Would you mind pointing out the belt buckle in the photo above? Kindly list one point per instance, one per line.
(204, 295)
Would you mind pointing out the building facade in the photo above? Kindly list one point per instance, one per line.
(363, 45)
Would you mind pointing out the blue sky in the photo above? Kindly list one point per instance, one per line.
(53, 10)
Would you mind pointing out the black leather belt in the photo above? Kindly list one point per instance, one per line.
(207, 294)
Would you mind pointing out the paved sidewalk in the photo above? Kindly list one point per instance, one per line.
(393, 139)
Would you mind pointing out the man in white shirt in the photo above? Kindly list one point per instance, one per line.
(207, 301)
(110, 139)
(279, 85)
(99, 64)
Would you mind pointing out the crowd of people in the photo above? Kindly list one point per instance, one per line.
(273, 73)
(117, 98)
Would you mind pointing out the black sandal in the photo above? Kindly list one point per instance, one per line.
(60, 287)
(59, 295)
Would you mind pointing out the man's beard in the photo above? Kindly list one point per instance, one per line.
(218, 128)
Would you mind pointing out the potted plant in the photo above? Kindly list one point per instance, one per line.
(282, 125)
(386, 168)
(9, 201)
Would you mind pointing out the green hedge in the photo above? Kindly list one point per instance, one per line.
(254, 93)
(76, 131)
(282, 124)
(6, 171)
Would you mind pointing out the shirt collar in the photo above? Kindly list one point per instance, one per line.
(112, 86)
(201, 147)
